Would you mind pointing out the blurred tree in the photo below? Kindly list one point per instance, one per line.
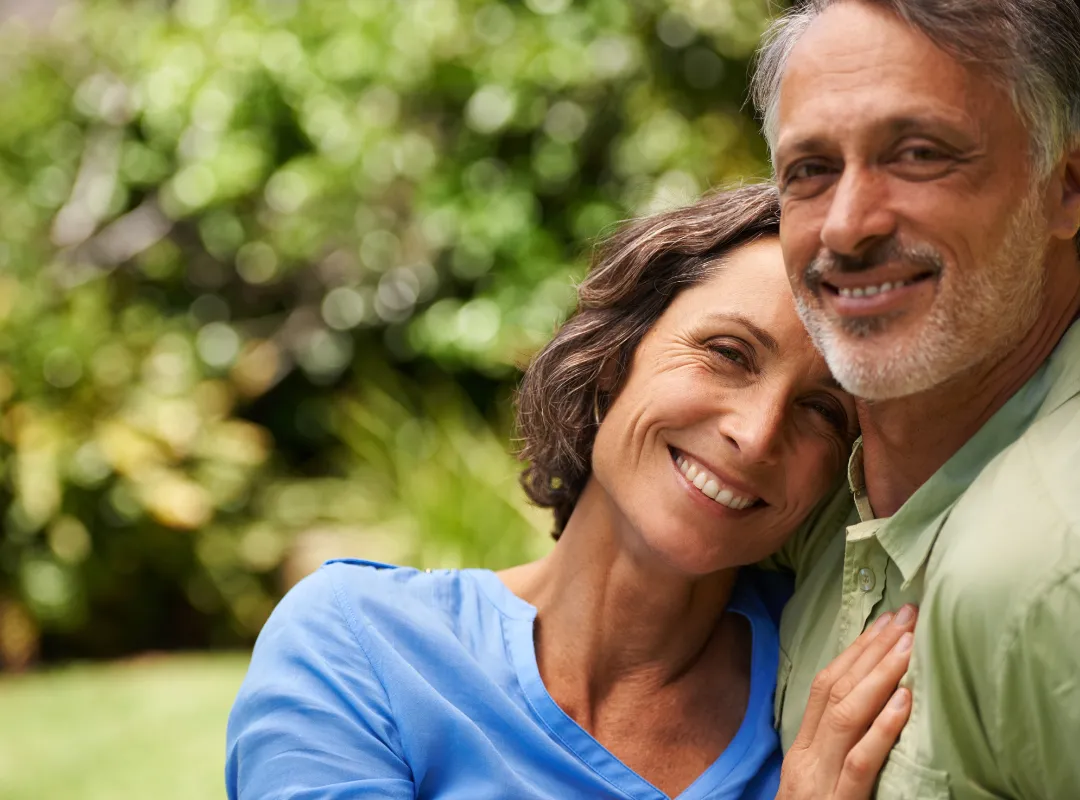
(259, 262)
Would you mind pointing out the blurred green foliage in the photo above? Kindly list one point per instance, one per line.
(268, 269)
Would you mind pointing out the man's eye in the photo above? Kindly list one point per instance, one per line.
(920, 154)
(805, 171)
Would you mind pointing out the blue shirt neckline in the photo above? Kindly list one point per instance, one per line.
(521, 617)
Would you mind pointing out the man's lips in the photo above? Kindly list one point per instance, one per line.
(873, 281)
(877, 291)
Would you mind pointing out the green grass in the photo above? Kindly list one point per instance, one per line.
(148, 728)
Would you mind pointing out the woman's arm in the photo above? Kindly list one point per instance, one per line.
(853, 717)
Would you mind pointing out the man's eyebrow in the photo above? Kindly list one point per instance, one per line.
(916, 123)
(797, 147)
(895, 126)
(763, 336)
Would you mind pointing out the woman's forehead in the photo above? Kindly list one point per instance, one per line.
(750, 278)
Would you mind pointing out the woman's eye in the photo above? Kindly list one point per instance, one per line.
(831, 413)
(732, 353)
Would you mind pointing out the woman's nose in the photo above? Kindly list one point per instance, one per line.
(756, 428)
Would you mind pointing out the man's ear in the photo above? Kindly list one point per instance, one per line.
(1065, 215)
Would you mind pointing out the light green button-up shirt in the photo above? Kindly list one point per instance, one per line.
(989, 548)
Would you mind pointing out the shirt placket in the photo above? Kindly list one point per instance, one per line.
(865, 561)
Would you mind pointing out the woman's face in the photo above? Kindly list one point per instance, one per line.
(729, 428)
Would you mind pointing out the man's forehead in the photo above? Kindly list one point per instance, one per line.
(861, 61)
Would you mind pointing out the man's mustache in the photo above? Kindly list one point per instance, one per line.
(887, 251)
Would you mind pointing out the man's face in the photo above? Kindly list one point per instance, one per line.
(913, 231)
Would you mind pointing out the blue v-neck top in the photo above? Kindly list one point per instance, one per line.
(377, 681)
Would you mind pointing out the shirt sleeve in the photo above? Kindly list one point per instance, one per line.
(1038, 719)
(313, 720)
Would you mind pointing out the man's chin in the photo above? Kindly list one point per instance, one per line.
(878, 368)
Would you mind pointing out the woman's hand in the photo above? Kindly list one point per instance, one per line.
(853, 717)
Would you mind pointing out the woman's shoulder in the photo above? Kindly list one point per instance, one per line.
(360, 582)
(341, 588)
(377, 603)
(361, 621)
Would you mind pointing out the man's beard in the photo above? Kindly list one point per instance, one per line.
(976, 317)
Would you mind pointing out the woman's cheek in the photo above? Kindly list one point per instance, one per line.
(818, 470)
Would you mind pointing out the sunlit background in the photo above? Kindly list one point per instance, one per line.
(268, 271)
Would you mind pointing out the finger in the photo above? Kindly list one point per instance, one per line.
(876, 649)
(821, 688)
(845, 723)
(864, 762)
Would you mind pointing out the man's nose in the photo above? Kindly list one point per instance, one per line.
(859, 212)
(756, 428)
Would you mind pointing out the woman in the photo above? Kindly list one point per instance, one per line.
(680, 426)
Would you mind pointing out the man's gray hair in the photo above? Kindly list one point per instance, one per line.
(1032, 46)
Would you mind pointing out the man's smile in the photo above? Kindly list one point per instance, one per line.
(877, 291)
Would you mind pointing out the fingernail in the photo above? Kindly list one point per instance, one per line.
(905, 615)
(904, 644)
(900, 699)
(882, 621)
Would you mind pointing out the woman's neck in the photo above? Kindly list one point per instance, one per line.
(610, 614)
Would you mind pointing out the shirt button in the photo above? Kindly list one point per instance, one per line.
(866, 579)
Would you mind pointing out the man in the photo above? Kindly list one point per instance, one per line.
(927, 154)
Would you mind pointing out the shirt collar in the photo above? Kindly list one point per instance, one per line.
(909, 534)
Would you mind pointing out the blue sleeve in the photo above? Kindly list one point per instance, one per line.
(312, 720)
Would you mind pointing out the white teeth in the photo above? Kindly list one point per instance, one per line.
(870, 291)
(710, 486)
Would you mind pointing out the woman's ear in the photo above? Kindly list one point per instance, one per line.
(607, 382)
(608, 379)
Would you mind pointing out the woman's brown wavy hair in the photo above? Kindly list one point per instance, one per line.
(633, 277)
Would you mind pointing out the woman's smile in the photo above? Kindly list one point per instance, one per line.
(707, 483)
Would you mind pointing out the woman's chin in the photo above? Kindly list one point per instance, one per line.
(690, 552)
(694, 548)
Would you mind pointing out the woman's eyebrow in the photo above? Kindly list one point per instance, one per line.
(829, 382)
(763, 336)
